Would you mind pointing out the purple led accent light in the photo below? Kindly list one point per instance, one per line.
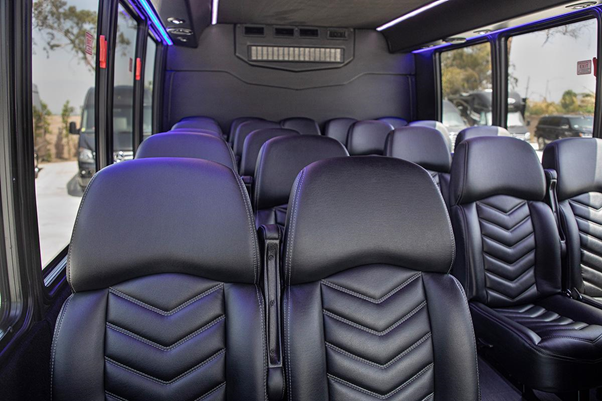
(160, 28)
(214, 7)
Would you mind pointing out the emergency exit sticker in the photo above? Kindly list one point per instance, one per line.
(584, 67)
(89, 43)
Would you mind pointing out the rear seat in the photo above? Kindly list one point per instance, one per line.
(578, 163)
(303, 125)
(194, 131)
(508, 257)
(244, 130)
(157, 272)
(370, 311)
(480, 131)
(253, 144)
(426, 147)
(339, 128)
(236, 123)
(437, 125)
(279, 162)
(395, 122)
(186, 145)
(368, 137)
(199, 122)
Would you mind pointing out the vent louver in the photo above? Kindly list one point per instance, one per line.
(296, 54)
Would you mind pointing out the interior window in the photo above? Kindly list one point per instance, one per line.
(551, 83)
(466, 87)
(149, 75)
(123, 95)
(64, 41)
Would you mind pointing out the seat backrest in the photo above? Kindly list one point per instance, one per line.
(236, 123)
(303, 125)
(480, 131)
(244, 130)
(200, 122)
(508, 246)
(368, 137)
(339, 128)
(163, 254)
(194, 131)
(395, 122)
(253, 144)
(182, 145)
(426, 147)
(578, 163)
(279, 162)
(437, 125)
(370, 311)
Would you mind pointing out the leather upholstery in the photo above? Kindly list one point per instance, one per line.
(178, 145)
(395, 122)
(253, 144)
(200, 122)
(148, 316)
(480, 131)
(339, 128)
(367, 315)
(190, 130)
(236, 123)
(437, 125)
(578, 163)
(279, 162)
(303, 125)
(508, 259)
(368, 137)
(243, 132)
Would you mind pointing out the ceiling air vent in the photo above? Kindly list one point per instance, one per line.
(284, 32)
(296, 54)
(309, 33)
(254, 31)
(337, 34)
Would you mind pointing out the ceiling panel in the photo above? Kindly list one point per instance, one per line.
(319, 13)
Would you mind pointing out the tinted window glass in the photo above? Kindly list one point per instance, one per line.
(64, 41)
(149, 75)
(551, 72)
(466, 87)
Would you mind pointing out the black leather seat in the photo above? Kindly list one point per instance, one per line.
(578, 163)
(508, 259)
(183, 145)
(395, 122)
(243, 131)
(480, 131)
(368, 137)
(253, 144)
(426, 147)
(194, 131)
(303, 125)
(279, 162)
(437, 125)
(339, 128)
(200, 122)
(370, 311)
(236, 123)
(157, 272)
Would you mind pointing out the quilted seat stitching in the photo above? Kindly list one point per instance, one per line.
(112, 395)
(514, 209)
(206, 394)
(368, 298)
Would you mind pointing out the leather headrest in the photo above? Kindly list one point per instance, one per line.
(368, 137)
(349, 212)
(488, 166)
(201, 122)
(240, 120)
(182, 145)
(395, 122)
(437, 125)
(303, 125)
(578, 162)
(247, 128)
(421, 145)
(194, 131)
(163, 215)
(339, 128)
(253, 144)
(480, 131)
(281, 159)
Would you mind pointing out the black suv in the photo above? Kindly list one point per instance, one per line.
(552, 128)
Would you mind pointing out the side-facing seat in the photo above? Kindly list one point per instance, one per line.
(279, 162)
(370, 311)
(427, 148)
(164, 266)
(509, 260)
(368, 137)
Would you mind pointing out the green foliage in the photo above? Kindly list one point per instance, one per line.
(466, 70)
(41, 126)
(66, 112)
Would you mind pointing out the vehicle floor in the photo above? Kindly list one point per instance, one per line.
(496, 387)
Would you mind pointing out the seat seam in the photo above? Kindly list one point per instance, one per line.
(263, 342)
(206, 394)
(368, 298)
(55, 341)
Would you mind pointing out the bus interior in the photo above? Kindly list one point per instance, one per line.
(417, 186)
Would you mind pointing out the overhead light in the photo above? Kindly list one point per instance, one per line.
(151, 14)
(582, 5)
(214, 7)
(176, 21)
(484, 31)
(455, 40)
(410, 15)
